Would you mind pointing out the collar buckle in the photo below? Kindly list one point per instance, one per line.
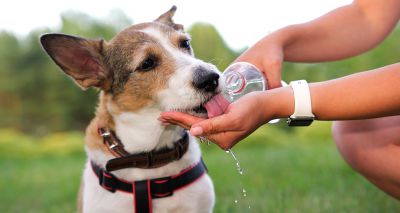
(113, 144)
(150, 159)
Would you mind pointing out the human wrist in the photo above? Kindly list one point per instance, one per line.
(284, 36)
(289, 37)
(278, 103)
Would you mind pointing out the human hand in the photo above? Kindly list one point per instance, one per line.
(267, 56)
(241, 118)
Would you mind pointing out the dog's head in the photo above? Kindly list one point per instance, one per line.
(148, 64)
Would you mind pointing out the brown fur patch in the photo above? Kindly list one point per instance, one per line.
(132, 89)
(103, 119)
(135, 89)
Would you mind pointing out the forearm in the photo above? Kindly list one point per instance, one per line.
(344, 32)
(363, 95)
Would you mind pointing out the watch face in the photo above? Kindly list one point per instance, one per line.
(299, 121)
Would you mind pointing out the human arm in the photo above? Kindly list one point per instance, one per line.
(341, 33)
(362, 95)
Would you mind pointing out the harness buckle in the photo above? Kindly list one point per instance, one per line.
(107, 180)
(162, 187)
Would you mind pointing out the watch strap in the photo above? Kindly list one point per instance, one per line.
(302, 115)
(302, 99)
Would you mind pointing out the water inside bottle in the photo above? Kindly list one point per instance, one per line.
(240, 79)
(250, 86)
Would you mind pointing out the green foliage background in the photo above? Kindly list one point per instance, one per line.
(43, 115)
(37, 98)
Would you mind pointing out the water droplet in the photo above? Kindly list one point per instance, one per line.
(201, 139)
(205, 140)
(238, 167)
(244, 193)
(240, 170)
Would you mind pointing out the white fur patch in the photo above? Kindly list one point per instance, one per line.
(142, 132)
(180, 93)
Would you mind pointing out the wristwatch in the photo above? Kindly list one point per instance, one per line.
(302, 115)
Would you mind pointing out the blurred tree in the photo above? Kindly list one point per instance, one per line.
(34, 95)
(10, 103)
(209, 46)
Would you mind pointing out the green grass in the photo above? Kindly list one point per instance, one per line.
(301, 173)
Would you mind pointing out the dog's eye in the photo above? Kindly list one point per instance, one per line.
(148, 64)
(185, 44)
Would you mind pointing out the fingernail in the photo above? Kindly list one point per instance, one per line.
(165, 124)
(196, 131)
(162, 119)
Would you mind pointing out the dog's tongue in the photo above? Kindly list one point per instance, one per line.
(216, 106)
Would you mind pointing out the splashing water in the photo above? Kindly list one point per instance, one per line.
(205, 140)
(244, 193)
(238, 167)
(202, 139)
(240, 171)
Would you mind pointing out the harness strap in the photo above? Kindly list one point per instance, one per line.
(145, 190)
(142, 196)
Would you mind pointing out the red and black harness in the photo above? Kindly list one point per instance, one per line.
(144, 191)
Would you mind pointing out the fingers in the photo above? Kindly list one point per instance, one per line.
(211, 126)
(273, 75)
(225, 140)
(267, 57)
(180, 119)
(212, 129)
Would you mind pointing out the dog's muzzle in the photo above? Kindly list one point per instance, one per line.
(205, 79)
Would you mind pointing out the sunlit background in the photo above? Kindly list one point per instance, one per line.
(43, 114)
(240, 24)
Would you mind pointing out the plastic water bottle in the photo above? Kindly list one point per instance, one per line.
(241, 78)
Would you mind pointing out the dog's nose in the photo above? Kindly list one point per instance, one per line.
(206, 80)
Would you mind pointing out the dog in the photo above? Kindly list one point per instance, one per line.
(142, 71)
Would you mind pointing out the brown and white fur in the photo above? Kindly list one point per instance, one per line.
(144, 70)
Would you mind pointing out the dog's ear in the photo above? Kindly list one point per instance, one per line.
(79, 58)
(166, 18)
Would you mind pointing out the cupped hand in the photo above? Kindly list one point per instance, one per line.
(240, 119)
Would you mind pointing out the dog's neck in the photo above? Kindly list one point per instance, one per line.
(138, 131)
(142, 132)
